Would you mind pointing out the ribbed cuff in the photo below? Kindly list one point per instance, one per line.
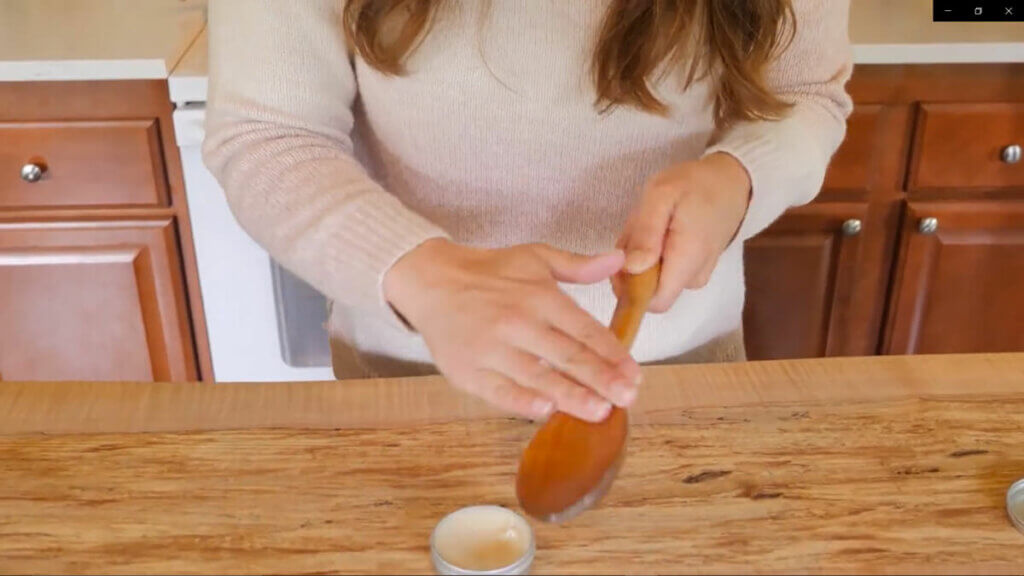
(382, 231)
(786, 168)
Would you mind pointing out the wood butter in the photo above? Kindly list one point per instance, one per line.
(482, 540)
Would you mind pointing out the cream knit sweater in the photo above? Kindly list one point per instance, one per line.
(491, 139)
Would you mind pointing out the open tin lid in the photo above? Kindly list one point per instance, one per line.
(1015, 504)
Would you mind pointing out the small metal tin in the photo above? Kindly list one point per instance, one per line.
(1015, 504)
(519, 566)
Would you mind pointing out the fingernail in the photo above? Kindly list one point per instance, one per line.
(542, 407)
(623, 393)
(637, 261)
(600, 410)
(626, 396)
(638, 379)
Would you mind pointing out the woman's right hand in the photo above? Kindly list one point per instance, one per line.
(499, 327)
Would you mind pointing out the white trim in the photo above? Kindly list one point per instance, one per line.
(234, 280)
(71, 70)
(185, 89)
(189, 129)
(68, 258)
(949, 53)
(194, 88)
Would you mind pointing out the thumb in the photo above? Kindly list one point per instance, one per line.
(644, 238)
(579, 269)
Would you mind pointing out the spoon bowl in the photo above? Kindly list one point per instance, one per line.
(571, 463)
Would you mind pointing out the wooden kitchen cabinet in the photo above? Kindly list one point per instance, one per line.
(959, 285)
(817, 278)
(103, 243)
(940, 142)
(97, 274)
(799, 276)
(959, 277)
(93, 300)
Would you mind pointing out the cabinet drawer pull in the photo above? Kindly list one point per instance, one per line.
(852, 227)
(32, 172)
(928, 225)
(1011, 154)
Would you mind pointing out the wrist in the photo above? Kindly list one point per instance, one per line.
(734, 184)
(732, 174)
(404, 282)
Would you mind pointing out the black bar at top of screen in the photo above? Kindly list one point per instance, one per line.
(978, 10)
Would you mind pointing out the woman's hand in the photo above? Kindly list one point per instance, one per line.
(499, 327)
(688, 215)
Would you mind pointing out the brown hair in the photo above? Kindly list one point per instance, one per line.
(736, 39)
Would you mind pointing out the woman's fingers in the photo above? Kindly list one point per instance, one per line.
(645, 232)
(531, 372)
(616, 279)
(568, 318)
(577, 361)
(502, 392)
(488, 328)
(577, 268)
(704, 276)
(684, 259)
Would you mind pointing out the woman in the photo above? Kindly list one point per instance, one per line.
(461, 177)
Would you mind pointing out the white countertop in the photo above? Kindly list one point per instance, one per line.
(136, 39)
(96, 39)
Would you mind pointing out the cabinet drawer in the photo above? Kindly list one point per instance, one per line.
(970, 146)
(86, 164)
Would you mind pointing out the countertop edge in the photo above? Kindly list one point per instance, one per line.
(128, 407)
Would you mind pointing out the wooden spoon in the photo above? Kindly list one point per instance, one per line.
(571, 463)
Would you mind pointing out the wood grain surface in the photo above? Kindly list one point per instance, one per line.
(889, 465)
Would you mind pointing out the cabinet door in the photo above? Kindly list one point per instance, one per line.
(93, 301)
(799, 275)
(959, 285)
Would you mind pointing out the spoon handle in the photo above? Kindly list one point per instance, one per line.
(637, 291)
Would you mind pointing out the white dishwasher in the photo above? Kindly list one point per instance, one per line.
(264, 324)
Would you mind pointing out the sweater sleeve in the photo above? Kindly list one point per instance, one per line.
(279, 120)
(787, 158)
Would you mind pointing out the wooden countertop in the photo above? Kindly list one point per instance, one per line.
(896, 465)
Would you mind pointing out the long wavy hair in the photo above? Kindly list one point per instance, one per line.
(734, 39)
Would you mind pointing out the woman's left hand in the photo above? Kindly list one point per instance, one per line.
(688, 215)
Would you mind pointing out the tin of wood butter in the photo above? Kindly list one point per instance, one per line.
(482, 540)
(1015, 504)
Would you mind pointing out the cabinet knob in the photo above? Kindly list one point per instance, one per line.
(1011, 154)
(852, 227)
(32, 172)
(928, 225)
